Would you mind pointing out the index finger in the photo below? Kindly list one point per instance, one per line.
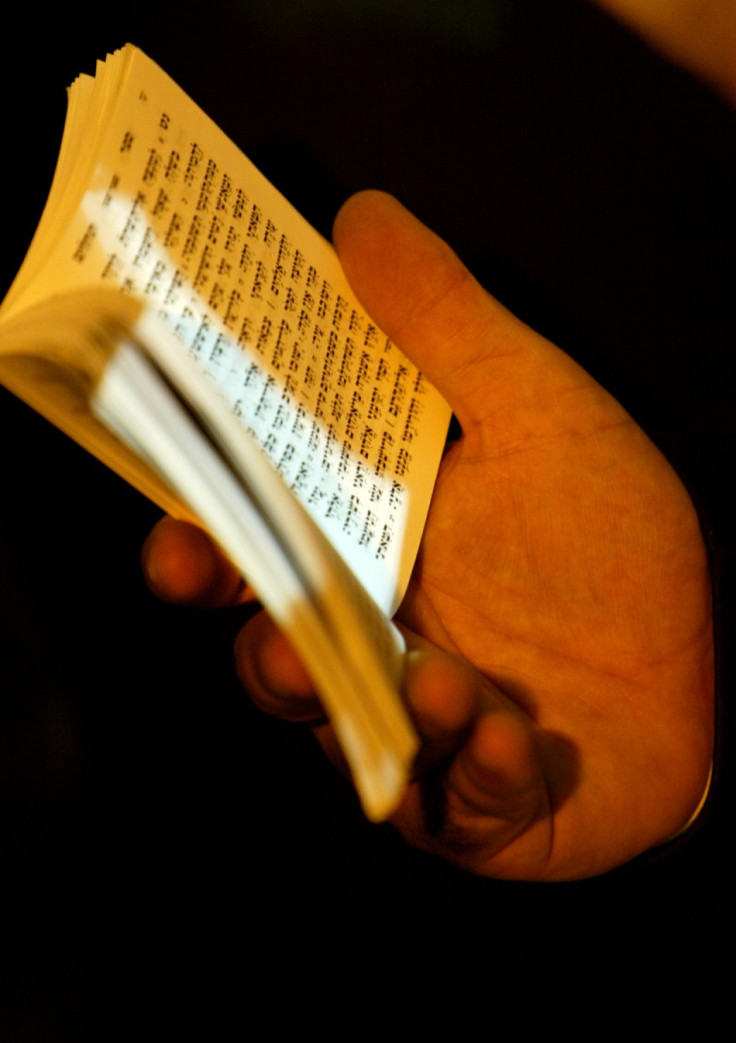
(181, 564)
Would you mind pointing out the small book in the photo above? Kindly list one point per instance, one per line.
(178, 318)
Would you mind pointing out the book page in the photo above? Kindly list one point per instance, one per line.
(168, 209)
(158, 403)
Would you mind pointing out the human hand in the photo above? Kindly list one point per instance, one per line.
(561, 675)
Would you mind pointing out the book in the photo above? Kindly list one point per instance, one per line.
(180, 320)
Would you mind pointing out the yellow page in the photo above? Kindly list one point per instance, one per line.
(167, 209)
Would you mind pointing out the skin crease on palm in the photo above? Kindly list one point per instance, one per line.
(563, 677)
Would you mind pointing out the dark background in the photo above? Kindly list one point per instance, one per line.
(168, 852)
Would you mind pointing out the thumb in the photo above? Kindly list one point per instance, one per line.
(478, 355)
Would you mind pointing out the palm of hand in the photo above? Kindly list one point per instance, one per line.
(567, 565)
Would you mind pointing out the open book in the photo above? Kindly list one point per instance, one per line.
(179, 319)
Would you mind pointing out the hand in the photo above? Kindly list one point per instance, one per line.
(698, 36)
(561, 675)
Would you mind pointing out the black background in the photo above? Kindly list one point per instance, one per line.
(168, 852)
